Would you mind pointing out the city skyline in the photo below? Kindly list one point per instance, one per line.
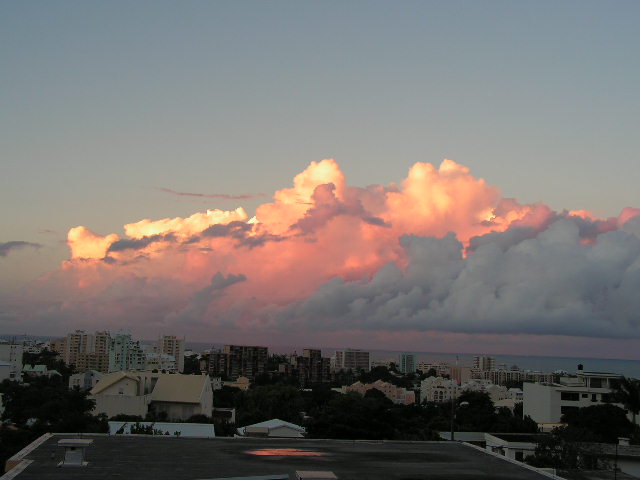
(483, 195)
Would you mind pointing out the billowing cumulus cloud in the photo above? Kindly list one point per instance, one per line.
(440, 251)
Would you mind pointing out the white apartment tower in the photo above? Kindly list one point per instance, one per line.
(482, 362)
(352, 359)
(407, 362)
(11, 353)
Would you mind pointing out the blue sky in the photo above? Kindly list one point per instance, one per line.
(102, 103)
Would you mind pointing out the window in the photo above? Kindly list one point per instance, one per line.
(596, 383)
(594, 397)
(519, 456)
(570, 396)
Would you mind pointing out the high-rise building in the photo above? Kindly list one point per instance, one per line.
(312, 367)
(125, 353)
(236, 361)
(246, 361)
(11, 353)
(407, 363)
(171, 345)
(351, 359)
(84, 350)
(482, 362)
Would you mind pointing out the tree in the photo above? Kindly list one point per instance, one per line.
(603, 423)
(627, 392)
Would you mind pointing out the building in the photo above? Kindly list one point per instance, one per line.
(171, 345)
(235, 361)
(246, 361)
(407, 363)
(352, 359)
(85, 380)
(311, 368)
(125, 353)
(545, 403)
(273, 428)
(84, 350)
(38, 371)
(153, 457)
(438, 389)
(161, 362)
(5, 371)
(502, 377)
(481, 362)
(11, 353)
(137, 393)
(241, 383)
(514, 446)
(396, 394)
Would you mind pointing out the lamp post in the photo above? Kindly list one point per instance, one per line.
(453, 413)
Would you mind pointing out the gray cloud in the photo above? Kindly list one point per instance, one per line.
(138, 244)
(194, 312)
(7, 247)
(514, 282)
(223, 196)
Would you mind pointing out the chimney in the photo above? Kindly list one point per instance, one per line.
(74, 452)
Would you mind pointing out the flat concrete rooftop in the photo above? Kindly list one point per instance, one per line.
(147, 457)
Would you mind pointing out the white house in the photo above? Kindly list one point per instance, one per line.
(135, 393)
(515, 446)
(545, 403)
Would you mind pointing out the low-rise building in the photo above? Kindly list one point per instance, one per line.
(38, 371)
(396, 394)
(85, 380)
(547, 402)
(438, 389)
(136, 393)
(273, 428)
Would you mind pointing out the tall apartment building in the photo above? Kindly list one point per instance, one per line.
(407, 363)
(125, 353)
(171, 345)
(236, 361)
(84, 350)
(11, 353)
(482, 362)
(312, 367)
(351, 359)
(246, 361)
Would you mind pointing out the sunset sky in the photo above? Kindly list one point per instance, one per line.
(433, 176)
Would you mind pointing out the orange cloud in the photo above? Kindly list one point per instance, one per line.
(322, 237)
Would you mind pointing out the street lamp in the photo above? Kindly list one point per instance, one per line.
(453, 413)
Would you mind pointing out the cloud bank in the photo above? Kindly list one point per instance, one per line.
(8, 247)
(440, 251)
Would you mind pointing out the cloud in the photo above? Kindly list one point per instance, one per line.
(441, 251)
(8, 247)
(221, 196)
(550, 284)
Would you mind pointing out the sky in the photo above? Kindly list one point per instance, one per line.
(481, 196)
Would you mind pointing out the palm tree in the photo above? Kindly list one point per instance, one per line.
(627, 392)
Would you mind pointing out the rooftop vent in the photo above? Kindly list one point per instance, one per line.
(74, 452)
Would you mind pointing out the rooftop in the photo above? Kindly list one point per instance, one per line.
(177, 458)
